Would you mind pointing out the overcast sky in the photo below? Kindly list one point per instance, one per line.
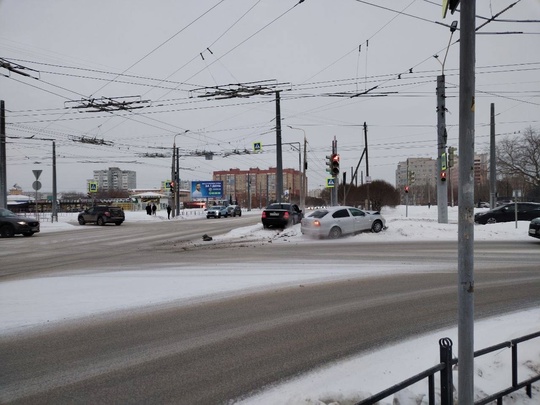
(165, 54)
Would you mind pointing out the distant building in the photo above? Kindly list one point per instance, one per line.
(115, 179)
(258, 184)
(422, 189)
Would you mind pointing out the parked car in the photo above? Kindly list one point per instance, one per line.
(334, 222)
(217, 211)
(101, 215)
(12, 224)
(234, 210)
(534, 228)
(526, 211)
(281, 215)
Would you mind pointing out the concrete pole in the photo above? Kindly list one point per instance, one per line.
(3, 157)
(279, 165)
(177, 182)
(173, 179)
(54, 193)
(467, 56)
(442, 188)
(492, 162)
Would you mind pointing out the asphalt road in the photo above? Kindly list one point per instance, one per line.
(213, 352)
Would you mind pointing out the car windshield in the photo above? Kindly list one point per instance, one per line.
(6, 213)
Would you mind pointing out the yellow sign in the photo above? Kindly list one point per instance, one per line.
(92, 186)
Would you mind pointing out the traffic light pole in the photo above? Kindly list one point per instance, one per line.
(467, 53)
(442, 188)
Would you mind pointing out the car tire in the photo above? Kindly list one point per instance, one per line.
(81, 221)
(491, 220)
(7, 231)
(100, 221)
(28, 234)
(376, 227)
(118, 223)
(335, 232)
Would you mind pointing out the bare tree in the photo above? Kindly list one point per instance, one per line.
(519, 158)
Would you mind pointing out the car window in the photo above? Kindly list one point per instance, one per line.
(343, 213)
(318, 214)
(357, 213)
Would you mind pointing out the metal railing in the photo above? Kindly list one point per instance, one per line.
(446, 377)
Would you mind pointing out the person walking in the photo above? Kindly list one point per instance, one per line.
(148, 209)
(154, 209)
(169, 209)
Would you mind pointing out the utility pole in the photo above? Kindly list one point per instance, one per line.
(279, 165)
(467, 53)
(442, 188)
(54, 196)
(173, 179)
(3, 157)
(368, 179)
(492, 162)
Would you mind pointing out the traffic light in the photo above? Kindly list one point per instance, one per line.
(329, 163)
(406, 189)
(334, 168)
(451, 156)
(171, 187)
(449, 5)
(443, 175)
(412, 177)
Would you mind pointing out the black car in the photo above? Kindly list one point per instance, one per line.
(101, 215)
(234, 210)
(12, 224)
(526, 211)
(281, 215)
(534, 228)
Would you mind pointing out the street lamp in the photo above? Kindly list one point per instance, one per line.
(302, 171)
(175, 168)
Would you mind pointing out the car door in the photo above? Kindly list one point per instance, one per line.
(344, 220)
(89, 214)
(296, 214)
(361, 221)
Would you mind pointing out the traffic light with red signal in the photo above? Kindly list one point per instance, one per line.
(334, 168)
(443, 175)
(171, 187)
(406, 189)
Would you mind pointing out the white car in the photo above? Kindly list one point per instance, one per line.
(333, 222)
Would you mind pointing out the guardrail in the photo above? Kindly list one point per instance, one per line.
(446, 377)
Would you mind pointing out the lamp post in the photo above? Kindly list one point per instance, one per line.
(175, 168)
(302, 170)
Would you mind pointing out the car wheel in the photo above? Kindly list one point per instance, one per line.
(81, 221)
(491, 221)
(28, 233)
(376, 227)
(7, 231)
(100, 221)
(234, 214)
(335, 232)
(118, 223)
(265, 226)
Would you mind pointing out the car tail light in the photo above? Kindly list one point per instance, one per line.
(263, 214)
(286, 215)
(107, 213)
(316, 223)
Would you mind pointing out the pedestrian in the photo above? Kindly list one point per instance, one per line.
(169, 209)
(429, 204)
(154, 208)
(148, 209)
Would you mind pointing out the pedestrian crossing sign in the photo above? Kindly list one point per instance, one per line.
(92, 186)
(330, 182)
(257, 146)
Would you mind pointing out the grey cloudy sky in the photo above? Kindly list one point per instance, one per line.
(318, 52)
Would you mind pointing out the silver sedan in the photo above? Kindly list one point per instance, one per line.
(334, 222)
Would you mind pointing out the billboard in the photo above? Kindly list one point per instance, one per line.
(206, 189)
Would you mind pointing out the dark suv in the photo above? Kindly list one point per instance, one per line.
(12, 224)
(101, 215)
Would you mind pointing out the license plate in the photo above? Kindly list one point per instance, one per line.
(532, 231)
(35, 229)
(274, 214)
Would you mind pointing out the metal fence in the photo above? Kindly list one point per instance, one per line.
(446, 377)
